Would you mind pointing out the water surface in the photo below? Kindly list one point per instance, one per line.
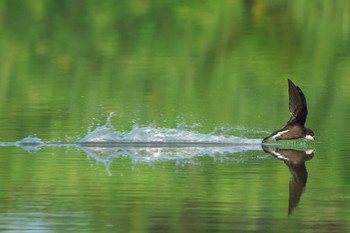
(197, 86)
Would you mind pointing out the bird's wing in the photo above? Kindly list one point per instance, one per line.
(297, 105)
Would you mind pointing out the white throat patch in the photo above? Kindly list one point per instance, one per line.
(309, 137)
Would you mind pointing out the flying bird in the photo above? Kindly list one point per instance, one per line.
(295, 126)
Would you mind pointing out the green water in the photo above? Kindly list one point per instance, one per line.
(213, 66)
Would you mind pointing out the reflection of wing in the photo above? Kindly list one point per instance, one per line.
(295, 160)
(297, 184)
(297, 105)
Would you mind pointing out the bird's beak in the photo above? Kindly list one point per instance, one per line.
(309, 137)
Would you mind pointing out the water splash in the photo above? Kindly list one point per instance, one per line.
(107, 133)
(30, 143)
(151, 143)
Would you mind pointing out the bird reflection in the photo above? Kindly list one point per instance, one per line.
(295, 160)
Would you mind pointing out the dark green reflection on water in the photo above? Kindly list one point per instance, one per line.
(244, 191)
(201, 193)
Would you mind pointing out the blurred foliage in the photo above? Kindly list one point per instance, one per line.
(152, 60)
(65, 65)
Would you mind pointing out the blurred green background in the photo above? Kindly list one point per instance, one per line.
(216, 63)
(65, 65)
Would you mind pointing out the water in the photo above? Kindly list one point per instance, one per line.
(194, 88)
(166, 174)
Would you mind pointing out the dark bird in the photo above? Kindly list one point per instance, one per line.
(295, 160)
(295, 126)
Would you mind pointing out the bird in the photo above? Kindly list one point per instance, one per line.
(295, 160)
(295, 126)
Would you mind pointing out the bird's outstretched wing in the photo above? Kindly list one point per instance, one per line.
(297, 105)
